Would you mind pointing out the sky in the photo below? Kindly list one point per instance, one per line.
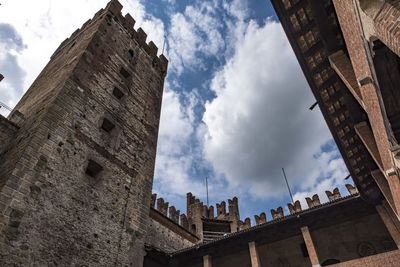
(235, 106)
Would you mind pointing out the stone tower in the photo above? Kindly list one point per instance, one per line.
(77, 171)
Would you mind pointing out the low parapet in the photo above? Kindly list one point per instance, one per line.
(295, 207)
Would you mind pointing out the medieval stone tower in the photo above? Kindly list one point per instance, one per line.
(76, 173)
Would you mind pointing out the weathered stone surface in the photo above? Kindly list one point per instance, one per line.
(167, 235)
(56, 210)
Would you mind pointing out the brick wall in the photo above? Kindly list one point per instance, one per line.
(388, 259)
(355, 45)
(387, 25)
(7, 132)
(166, 235)
(349, 23)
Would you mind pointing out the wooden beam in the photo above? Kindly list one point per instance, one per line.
(310, 246)
(342, 65)
(255, 259)
(207, 261)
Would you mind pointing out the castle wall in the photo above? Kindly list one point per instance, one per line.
(287, 252)
(77, 183)
(241, 258)
(353, 239)
(167, 236)
(7, 133)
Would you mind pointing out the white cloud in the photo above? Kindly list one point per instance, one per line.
(194, 35)
(174, 153)
(259, 122)
(11, 45)
(328, 173)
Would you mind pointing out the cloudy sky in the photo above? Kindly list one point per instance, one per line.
(235, 106)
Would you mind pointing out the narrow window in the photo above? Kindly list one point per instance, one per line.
(118, 93)
(155, 62)
(131, 54)
(124, 73)
(93, 168)
(107, 125)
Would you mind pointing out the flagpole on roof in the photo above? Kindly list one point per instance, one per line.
(287, 184)
(207, 189)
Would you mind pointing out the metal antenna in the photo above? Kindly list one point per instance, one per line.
(207, 189)
(163, 47)
(288, 187)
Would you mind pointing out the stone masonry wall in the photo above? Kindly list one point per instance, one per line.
(387, 24)
(7, 132)
(59, 209)
(359, 56)
(164, 238)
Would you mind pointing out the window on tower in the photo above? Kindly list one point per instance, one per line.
(124, 73)
(93, 168)
(131, 54)
(107, 125)
(118, 93)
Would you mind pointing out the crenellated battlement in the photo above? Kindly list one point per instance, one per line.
(198, 213)
(111, 14)
(169, 212)
(295, 207)
(138, 35)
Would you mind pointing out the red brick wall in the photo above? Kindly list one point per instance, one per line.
(388, 259)
(349, 23)
(387, 25)
(355, 45)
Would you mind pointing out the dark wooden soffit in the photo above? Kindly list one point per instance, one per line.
(313, 32)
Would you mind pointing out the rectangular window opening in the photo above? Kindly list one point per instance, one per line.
(118, 93)
(124, 73)
(107, 125)
(93, 168)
